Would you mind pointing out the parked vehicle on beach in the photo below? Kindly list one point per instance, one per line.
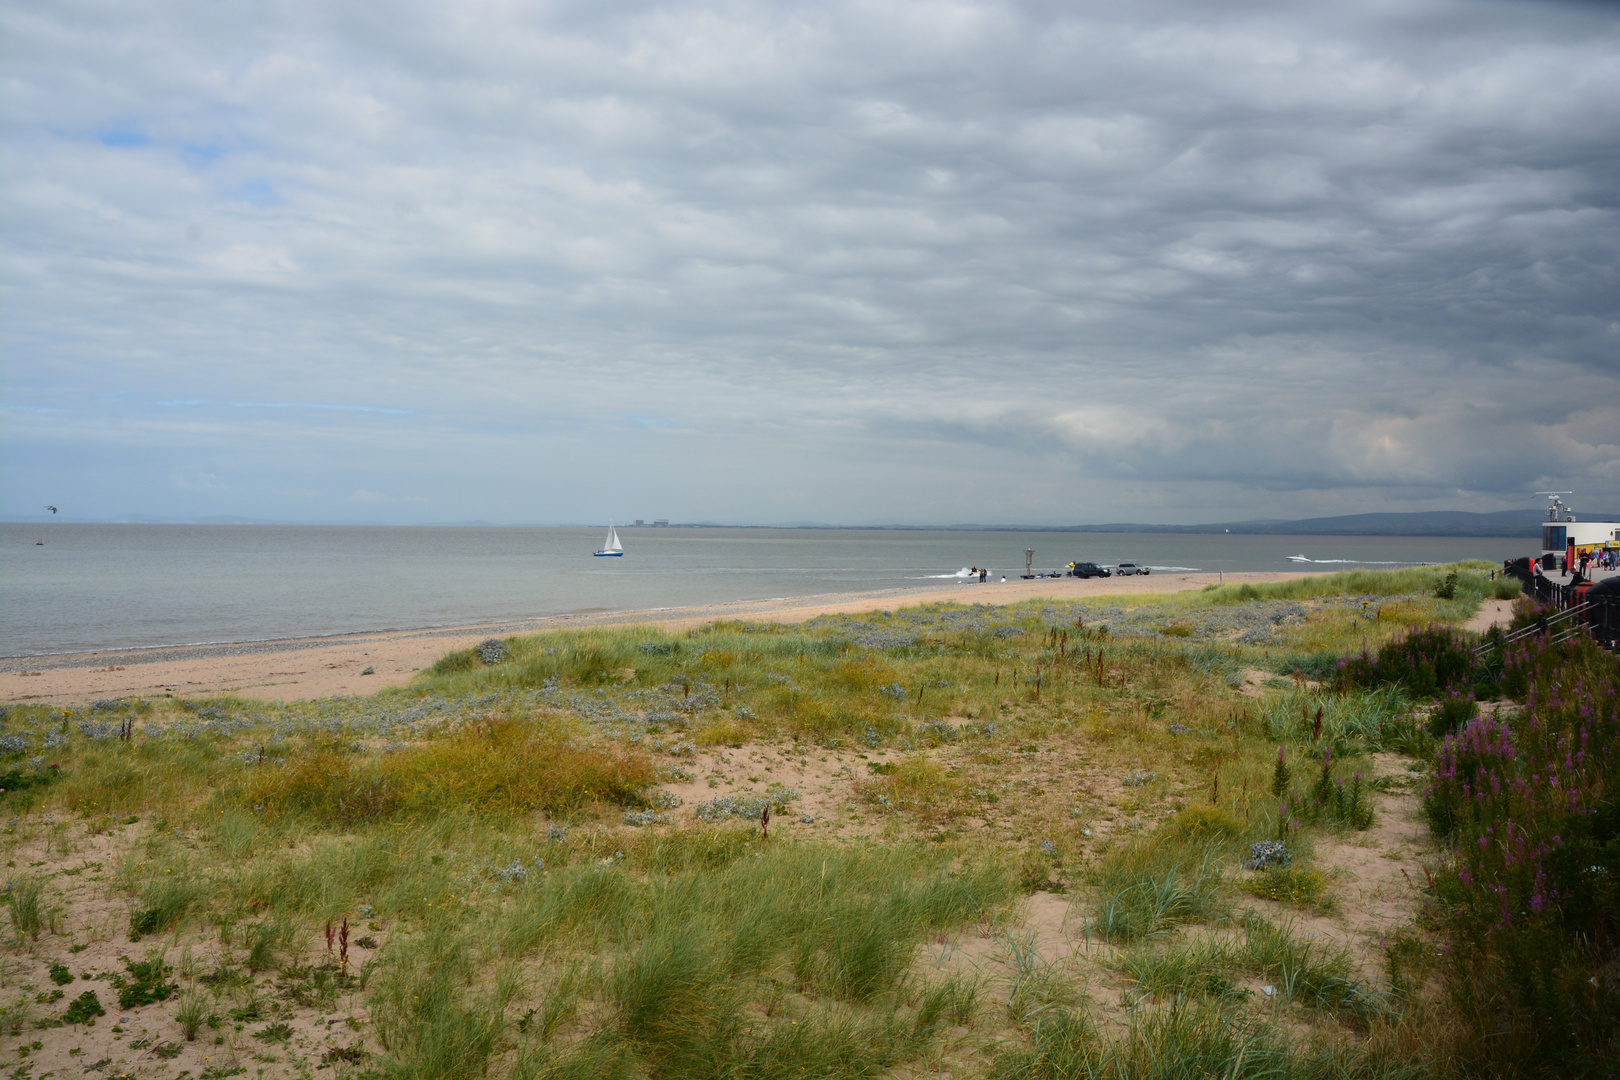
(1088, 570)
(1126, 569)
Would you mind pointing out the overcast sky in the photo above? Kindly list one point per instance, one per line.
(855, 263)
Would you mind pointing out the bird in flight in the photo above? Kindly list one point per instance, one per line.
(52, 509)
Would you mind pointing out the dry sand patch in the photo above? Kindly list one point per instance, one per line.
(1491, 613)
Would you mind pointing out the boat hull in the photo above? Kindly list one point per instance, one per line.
(608, 554)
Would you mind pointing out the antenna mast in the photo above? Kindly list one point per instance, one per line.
(1556, 506)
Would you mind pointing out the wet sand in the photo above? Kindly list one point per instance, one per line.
(300, 669)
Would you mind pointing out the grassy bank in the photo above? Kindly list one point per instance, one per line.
(1118, 837)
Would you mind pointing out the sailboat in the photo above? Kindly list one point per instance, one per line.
(612, 546)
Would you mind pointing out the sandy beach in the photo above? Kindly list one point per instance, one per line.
(300, 669)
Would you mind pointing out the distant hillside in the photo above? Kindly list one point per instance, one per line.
(1505, 523)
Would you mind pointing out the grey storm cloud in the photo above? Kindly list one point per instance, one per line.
(925, 262)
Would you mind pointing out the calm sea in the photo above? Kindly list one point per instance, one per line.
(129, 586)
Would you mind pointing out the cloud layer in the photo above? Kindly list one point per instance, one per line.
(893, 262)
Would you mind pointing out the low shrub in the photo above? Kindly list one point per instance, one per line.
(1425, 662)
(84, 1009)
(1447, 589)
(500, 768)
(1302, 886)
(1330, 801)
(1453, 711)
(1530, 902)
(915, 781)
(20, 785)
(1320, 666)
(145, 982)
(1204, 823)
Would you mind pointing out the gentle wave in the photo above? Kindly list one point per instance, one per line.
(1353, 562)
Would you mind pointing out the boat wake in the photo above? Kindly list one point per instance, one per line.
(960, 574)
(1353, 562)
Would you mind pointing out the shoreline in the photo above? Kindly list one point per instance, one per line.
(302, 669)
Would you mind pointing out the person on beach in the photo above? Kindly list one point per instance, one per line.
(983, 573)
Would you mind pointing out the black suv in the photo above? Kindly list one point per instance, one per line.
(1088, 570)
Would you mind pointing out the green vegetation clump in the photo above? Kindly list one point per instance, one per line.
(25, 904)
(1469, 580)
(502, 767)
(1302, 886)
(1526, 797)
(1148, 887)
(164, 902)
(927, 770)
(1426, 662)
(145, 982)
(1451, 713)
(84, 1009)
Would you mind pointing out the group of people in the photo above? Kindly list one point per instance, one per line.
(981, 571)
(1600, 559)
(1594, 559)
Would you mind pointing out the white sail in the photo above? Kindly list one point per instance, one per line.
(611, 545)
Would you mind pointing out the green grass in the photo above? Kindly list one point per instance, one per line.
(1304, 970)
(1296, 884)
(475, 818)
(164, 902)
(1472, 581)
(1148, 887)
(1307, 971)
(25, 903)
(429, 1024)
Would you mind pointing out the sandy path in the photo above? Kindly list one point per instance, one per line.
(305, 668)
(1491, 613)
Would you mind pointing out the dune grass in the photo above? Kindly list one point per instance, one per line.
(467, 837)
(1472, 580)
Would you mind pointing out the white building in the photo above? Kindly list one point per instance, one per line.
(1561, 534)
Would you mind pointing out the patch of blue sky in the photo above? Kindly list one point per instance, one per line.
(122, 138)
(32, 408)
(177, 402)
(200, 157)
(259, 193)
(314, 405)
(645, 421)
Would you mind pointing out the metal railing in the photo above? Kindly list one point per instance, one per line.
(1561, 627)
(1600, 615)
